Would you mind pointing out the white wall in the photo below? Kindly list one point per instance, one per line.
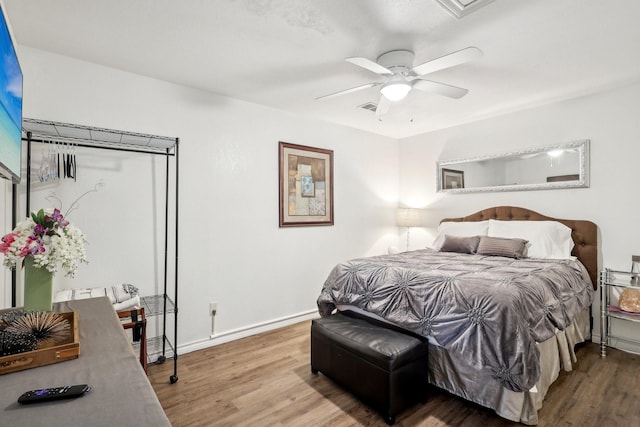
(5, 223)
(608, 119)
(231, 249)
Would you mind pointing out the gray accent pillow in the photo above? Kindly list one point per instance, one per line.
(501, 246)
(463, 245)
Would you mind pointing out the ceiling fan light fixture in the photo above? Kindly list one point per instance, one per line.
(395, 91)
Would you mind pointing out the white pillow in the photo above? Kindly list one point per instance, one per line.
(460, 229)
(547, 239)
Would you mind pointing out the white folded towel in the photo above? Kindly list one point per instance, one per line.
(128, 304)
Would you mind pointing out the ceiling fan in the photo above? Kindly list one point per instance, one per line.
(401, 76)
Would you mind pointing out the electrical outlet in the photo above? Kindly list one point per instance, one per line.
(213, 309)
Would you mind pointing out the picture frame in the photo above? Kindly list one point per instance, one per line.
(305, 185)
(561, 178)
(452, 179)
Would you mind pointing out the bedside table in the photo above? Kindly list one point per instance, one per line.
(610, 280)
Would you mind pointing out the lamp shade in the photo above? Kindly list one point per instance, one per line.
(395, 91)
(408, 217)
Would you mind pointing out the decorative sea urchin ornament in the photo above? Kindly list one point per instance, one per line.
(48, 327)
(11, 343)
(9, 317)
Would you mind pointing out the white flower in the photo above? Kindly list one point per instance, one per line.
(49, 239)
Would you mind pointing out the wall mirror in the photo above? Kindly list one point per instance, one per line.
(557, 166)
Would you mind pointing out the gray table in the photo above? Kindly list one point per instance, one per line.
(121, 393)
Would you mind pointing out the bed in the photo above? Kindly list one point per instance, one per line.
(500, 326)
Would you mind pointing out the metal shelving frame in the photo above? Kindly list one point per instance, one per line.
(615, 279)
(41, 131)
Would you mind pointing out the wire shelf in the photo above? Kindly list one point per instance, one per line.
(154, 305)
(46, 130)
(154, 349)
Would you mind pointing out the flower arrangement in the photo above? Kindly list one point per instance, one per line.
(49, 239)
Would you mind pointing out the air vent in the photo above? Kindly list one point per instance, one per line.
(369, 106)
(460, 8)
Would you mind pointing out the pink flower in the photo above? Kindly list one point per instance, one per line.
(57, 218)
(7, 240)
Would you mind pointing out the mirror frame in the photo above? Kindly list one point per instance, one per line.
(582, 182)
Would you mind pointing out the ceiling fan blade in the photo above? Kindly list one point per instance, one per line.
(439, 88)
(368, 64)
(383, 106)
(447, 61)
(353, 89)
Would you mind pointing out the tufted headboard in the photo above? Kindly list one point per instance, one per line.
(584, 233)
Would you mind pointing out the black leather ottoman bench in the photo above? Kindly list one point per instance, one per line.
(382, 365)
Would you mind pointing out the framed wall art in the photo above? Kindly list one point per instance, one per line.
(306, 185)
(452, 179)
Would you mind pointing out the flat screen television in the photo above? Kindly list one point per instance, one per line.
(10, 104)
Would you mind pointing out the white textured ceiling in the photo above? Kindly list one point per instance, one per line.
(285, 53)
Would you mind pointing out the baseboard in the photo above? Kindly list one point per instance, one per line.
(247, 331)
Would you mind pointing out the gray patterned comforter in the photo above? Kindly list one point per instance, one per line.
(490, 311)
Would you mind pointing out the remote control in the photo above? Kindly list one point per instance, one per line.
(53, 393)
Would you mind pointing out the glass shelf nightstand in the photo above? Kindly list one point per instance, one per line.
(610, 280)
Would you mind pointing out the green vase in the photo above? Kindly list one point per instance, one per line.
(38, 287)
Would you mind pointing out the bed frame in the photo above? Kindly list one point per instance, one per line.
(557, 353)
(583, 233)
(585, 238)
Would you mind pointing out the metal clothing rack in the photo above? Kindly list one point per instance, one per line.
(108, 139)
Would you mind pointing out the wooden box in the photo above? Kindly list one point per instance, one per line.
(47, 354)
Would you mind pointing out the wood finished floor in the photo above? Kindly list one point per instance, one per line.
(265, 380)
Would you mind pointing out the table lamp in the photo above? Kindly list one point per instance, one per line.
(408, 217)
